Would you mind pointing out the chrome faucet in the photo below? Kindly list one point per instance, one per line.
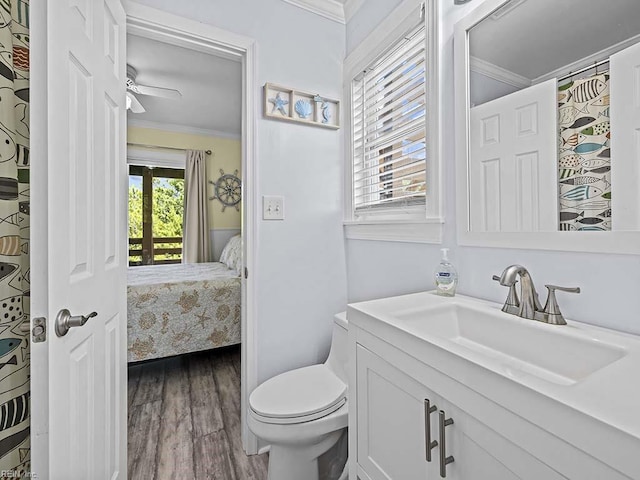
(528, 305)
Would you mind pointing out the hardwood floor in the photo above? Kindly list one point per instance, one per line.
(184, 419)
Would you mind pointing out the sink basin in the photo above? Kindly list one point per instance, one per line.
(575, 381)
(558, 354)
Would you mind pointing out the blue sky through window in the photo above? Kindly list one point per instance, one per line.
(135, 181)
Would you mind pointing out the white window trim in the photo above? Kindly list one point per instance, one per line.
(406, 225)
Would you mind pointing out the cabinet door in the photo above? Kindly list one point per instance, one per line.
(480, 453)
(391, 422)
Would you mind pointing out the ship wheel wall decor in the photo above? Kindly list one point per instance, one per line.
(227, 189)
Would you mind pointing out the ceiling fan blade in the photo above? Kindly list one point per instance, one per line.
(159, 92)
(135, 106)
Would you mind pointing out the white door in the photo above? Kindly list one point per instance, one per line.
(513, 162)
(80, 257)
(392, 422)
(624, 69)
(481, 453)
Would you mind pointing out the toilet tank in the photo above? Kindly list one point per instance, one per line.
(338, 354)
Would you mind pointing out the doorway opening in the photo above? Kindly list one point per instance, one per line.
(192, 360)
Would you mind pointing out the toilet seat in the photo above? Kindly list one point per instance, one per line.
(299, 419)
(298, 396)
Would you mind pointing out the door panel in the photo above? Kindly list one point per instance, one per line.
(391, 439)
(625, 137)
(482, 454)
(513, 167)
(85, 243)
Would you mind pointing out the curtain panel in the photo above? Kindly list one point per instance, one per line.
(195, 229)
(14, 238)
(584, 165)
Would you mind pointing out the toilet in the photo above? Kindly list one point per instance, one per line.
(303, 413)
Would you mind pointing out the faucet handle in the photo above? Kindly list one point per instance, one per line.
(551, 308)
(512, 303)
(563, 289)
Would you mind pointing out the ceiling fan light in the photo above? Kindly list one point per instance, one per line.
(128, 101)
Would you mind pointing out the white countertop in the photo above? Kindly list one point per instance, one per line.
(607, 402)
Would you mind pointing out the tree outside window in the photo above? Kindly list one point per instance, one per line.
(156, 208)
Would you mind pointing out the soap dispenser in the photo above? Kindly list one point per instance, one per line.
(446, 276)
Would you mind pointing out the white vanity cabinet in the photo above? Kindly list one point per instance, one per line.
(389, 425)
(393, 433)
(482, 453)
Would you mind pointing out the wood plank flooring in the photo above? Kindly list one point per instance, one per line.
(184, 419)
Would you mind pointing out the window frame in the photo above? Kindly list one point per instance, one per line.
(422, 223)
(148, 240)
(144, 157)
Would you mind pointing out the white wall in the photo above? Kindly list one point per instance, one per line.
(365, 18)
(610, 283)
(483, 89)
(301, 278)
(218, 238)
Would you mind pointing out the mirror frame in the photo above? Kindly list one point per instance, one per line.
(623, 242)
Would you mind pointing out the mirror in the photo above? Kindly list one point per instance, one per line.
(548, 110)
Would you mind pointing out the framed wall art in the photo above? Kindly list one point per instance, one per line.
(282, 103)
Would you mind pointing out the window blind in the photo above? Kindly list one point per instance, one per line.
(389, 128)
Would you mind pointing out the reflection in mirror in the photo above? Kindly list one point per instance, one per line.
(554, 105)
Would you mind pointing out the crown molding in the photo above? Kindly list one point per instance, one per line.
(351, 7)
(331, 9)
(175, 128)
(498, 73)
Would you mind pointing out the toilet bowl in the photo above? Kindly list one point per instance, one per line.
(303, 413)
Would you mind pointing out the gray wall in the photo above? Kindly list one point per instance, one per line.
(301, 277)
(610, 283)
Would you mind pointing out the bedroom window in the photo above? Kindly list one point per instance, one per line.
(393, 172)
(156, 207)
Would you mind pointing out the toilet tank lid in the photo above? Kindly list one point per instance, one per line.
(341, 319)
(298, 393)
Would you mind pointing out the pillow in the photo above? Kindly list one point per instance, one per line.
(232, 254)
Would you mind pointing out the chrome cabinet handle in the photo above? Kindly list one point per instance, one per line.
(65, 321)
(444, 460)
(429, 444)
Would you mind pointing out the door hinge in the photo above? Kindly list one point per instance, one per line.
(39, 330)
(423, 10)
(246, 272)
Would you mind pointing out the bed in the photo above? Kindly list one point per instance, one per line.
(183, 308)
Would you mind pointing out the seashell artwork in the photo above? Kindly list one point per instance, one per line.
(279, 104)
(326, 114)
(303, 108)
(283, 103)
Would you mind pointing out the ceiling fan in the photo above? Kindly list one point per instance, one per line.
(135, 88)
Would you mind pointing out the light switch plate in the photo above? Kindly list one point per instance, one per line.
(272, 207)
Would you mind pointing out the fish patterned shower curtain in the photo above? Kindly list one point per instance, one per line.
(15, 456)
(584, 162)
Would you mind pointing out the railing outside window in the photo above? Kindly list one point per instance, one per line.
(166, 250)
(156, 208)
